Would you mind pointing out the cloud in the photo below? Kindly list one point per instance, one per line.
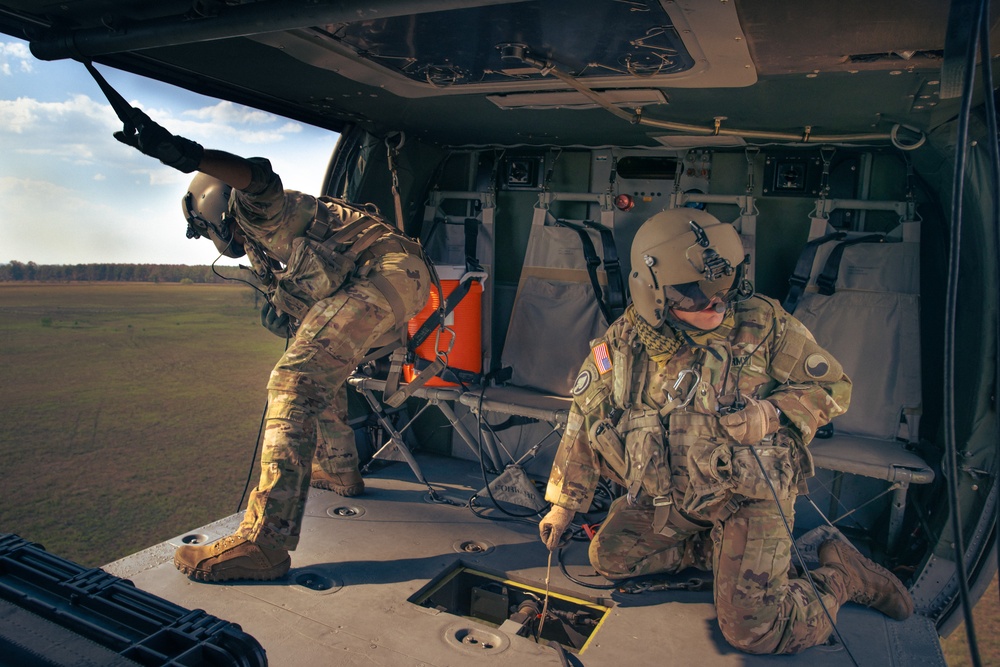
(229, 122)
(15, 52)
(25, 113)
(228, 113)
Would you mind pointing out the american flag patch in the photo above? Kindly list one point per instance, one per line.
(602, 358)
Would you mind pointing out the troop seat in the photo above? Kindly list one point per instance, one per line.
(859, 294)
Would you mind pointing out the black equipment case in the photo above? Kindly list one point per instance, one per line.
(56, 612)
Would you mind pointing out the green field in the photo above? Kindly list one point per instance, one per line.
(129, 412)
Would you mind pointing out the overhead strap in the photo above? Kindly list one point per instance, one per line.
(126, 113)
(827, 280)
(803, 269)
(392, 154)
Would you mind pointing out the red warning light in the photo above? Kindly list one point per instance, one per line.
(624, 202)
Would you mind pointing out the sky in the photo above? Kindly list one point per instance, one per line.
(72, 194)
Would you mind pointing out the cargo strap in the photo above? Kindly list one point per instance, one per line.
(395, 395)
(614, 305)
(452, 374)
(803, 270)
(349, 240)
(613, 269)
(392, 155)
(827, 280)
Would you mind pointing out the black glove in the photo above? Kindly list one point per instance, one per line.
(276, 322)
(153, 140)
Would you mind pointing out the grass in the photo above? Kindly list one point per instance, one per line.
(129, 412)
(986, 620)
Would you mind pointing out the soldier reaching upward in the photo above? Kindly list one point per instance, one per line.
(700, 402)
(348, 279)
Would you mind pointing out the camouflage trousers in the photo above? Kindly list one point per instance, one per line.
(335, 449)
(304, 388)
(761, 603)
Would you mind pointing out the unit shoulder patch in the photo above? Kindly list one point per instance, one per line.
(581, 384)
(817, 365)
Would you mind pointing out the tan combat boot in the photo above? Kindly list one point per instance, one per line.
(867, 582)
(345, 483)
(229, 558)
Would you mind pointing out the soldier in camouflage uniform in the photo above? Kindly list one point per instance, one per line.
(700, 402)
(335, 466)
(347, 278)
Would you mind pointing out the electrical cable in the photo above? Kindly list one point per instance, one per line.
(798, 555)
(263, 414)
(482, 464)
(950, 317)
(989, 102)
(253, 459)
(256, 446)
(562, 568)
(781, 512)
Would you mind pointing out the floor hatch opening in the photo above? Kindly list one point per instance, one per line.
(513, 607)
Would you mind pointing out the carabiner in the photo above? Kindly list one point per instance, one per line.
(694, 386)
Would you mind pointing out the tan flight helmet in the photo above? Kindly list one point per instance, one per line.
(206, 208)
(682, 258)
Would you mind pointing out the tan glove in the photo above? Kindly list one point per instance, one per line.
(554, 525)
(751, 424)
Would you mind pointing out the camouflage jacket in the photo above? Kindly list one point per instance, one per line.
(654, 428)
(303, 248)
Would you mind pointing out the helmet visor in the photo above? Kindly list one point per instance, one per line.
(695, 296)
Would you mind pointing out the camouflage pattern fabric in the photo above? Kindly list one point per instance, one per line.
(336, 451)
(306, 400)
(328, 346)
(699, 499)
(626, 547)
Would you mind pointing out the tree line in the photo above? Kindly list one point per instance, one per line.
(148, 273)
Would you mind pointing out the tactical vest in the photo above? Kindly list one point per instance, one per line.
(676, 453)
(331, 250)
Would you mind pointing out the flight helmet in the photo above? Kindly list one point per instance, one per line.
(206, 208)
(682, 258)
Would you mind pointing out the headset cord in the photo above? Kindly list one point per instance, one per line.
(798, 555)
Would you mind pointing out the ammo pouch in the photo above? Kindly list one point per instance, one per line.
(323, 259)
(608, 442)
(702, 461)
(313, 273)
(647, 463)
(778, 454)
